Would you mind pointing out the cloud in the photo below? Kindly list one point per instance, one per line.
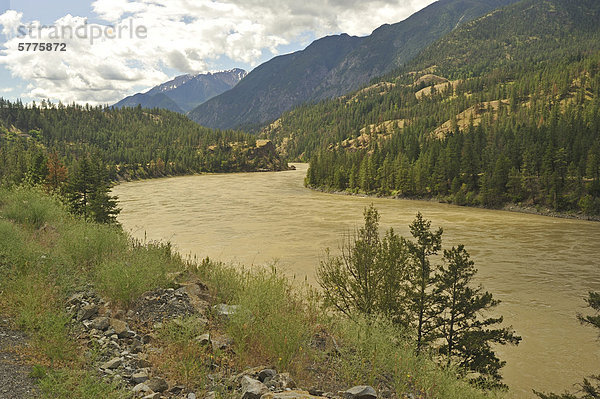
(185, 36)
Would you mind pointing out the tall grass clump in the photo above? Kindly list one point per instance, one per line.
(224, 280)
(85, 245)
(375, 352)
(273, 323)
(30, 207)
(183, 358)
(142, 268)
(78, 384)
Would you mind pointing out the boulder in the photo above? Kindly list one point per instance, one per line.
(141, 388)
(121, 328)
(252, 389)
(140, 377)
(360, 392)
(203, 339)
(281, 381)
(87, 312)
(225, 311)
(266, 374)
(100, 323)
(157, 384)
(112, 364)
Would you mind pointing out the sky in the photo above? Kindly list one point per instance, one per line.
(115, 48)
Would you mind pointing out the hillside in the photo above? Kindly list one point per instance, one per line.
(502, 110)
(334, 65)
(134, 143)
(185, 92)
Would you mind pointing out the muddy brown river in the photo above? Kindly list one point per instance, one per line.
(540, 267)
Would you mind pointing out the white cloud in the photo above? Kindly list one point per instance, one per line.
(182, 35)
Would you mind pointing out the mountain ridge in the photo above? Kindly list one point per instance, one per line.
(281, 84)
(185, 92)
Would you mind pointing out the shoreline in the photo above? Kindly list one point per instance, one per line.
(515, 208)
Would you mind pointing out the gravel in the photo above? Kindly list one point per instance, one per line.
(14, 374)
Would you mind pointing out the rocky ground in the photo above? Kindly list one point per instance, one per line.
(15, 382)
(126, 341)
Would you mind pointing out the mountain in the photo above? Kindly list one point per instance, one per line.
(503, 110)
(334, 65)
(185, 92)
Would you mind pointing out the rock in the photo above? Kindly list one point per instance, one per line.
(265, 374)
(220, 343)
(141, 388)
(225, 311)
(100, 323)
(289, 395)
(252, 389)
(191, 395)
(211, 395)
(316, 392)
(177, 389)
(157, 384)
(140, 377)
(112, 364)
(360, 392)
(155, 395)
(121, 329)
(87, 312)
(75, 299)
(282, 381)
(203, 339)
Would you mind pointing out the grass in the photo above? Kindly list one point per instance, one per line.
(46, 255)
(140, 269)
(77, 384)
(183, 358)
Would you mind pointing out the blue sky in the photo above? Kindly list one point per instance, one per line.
(181, 36)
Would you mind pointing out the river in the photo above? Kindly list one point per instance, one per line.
(541, 268)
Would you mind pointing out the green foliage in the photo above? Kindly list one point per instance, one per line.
(30, 207)
(365, 277)
(78, 384)
(437, 303)
(132, 142)
(143, 268)
(272, 321)
(519, 124)
(372, 348)
(88, 191)
(85, 245)
(468, 338)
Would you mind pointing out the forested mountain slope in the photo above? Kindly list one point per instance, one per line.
(134, 143)
(334, 65)
(504, 109)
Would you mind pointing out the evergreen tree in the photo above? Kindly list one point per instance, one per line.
(426, 243)
(88, 191)
(467, 336)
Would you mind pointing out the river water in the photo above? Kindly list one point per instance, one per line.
(539, 267)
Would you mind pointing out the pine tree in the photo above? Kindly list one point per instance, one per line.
(426, 244)
(88, 191)
(467, 337)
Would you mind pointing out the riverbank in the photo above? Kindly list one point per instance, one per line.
(531, 210)
(112, 317)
